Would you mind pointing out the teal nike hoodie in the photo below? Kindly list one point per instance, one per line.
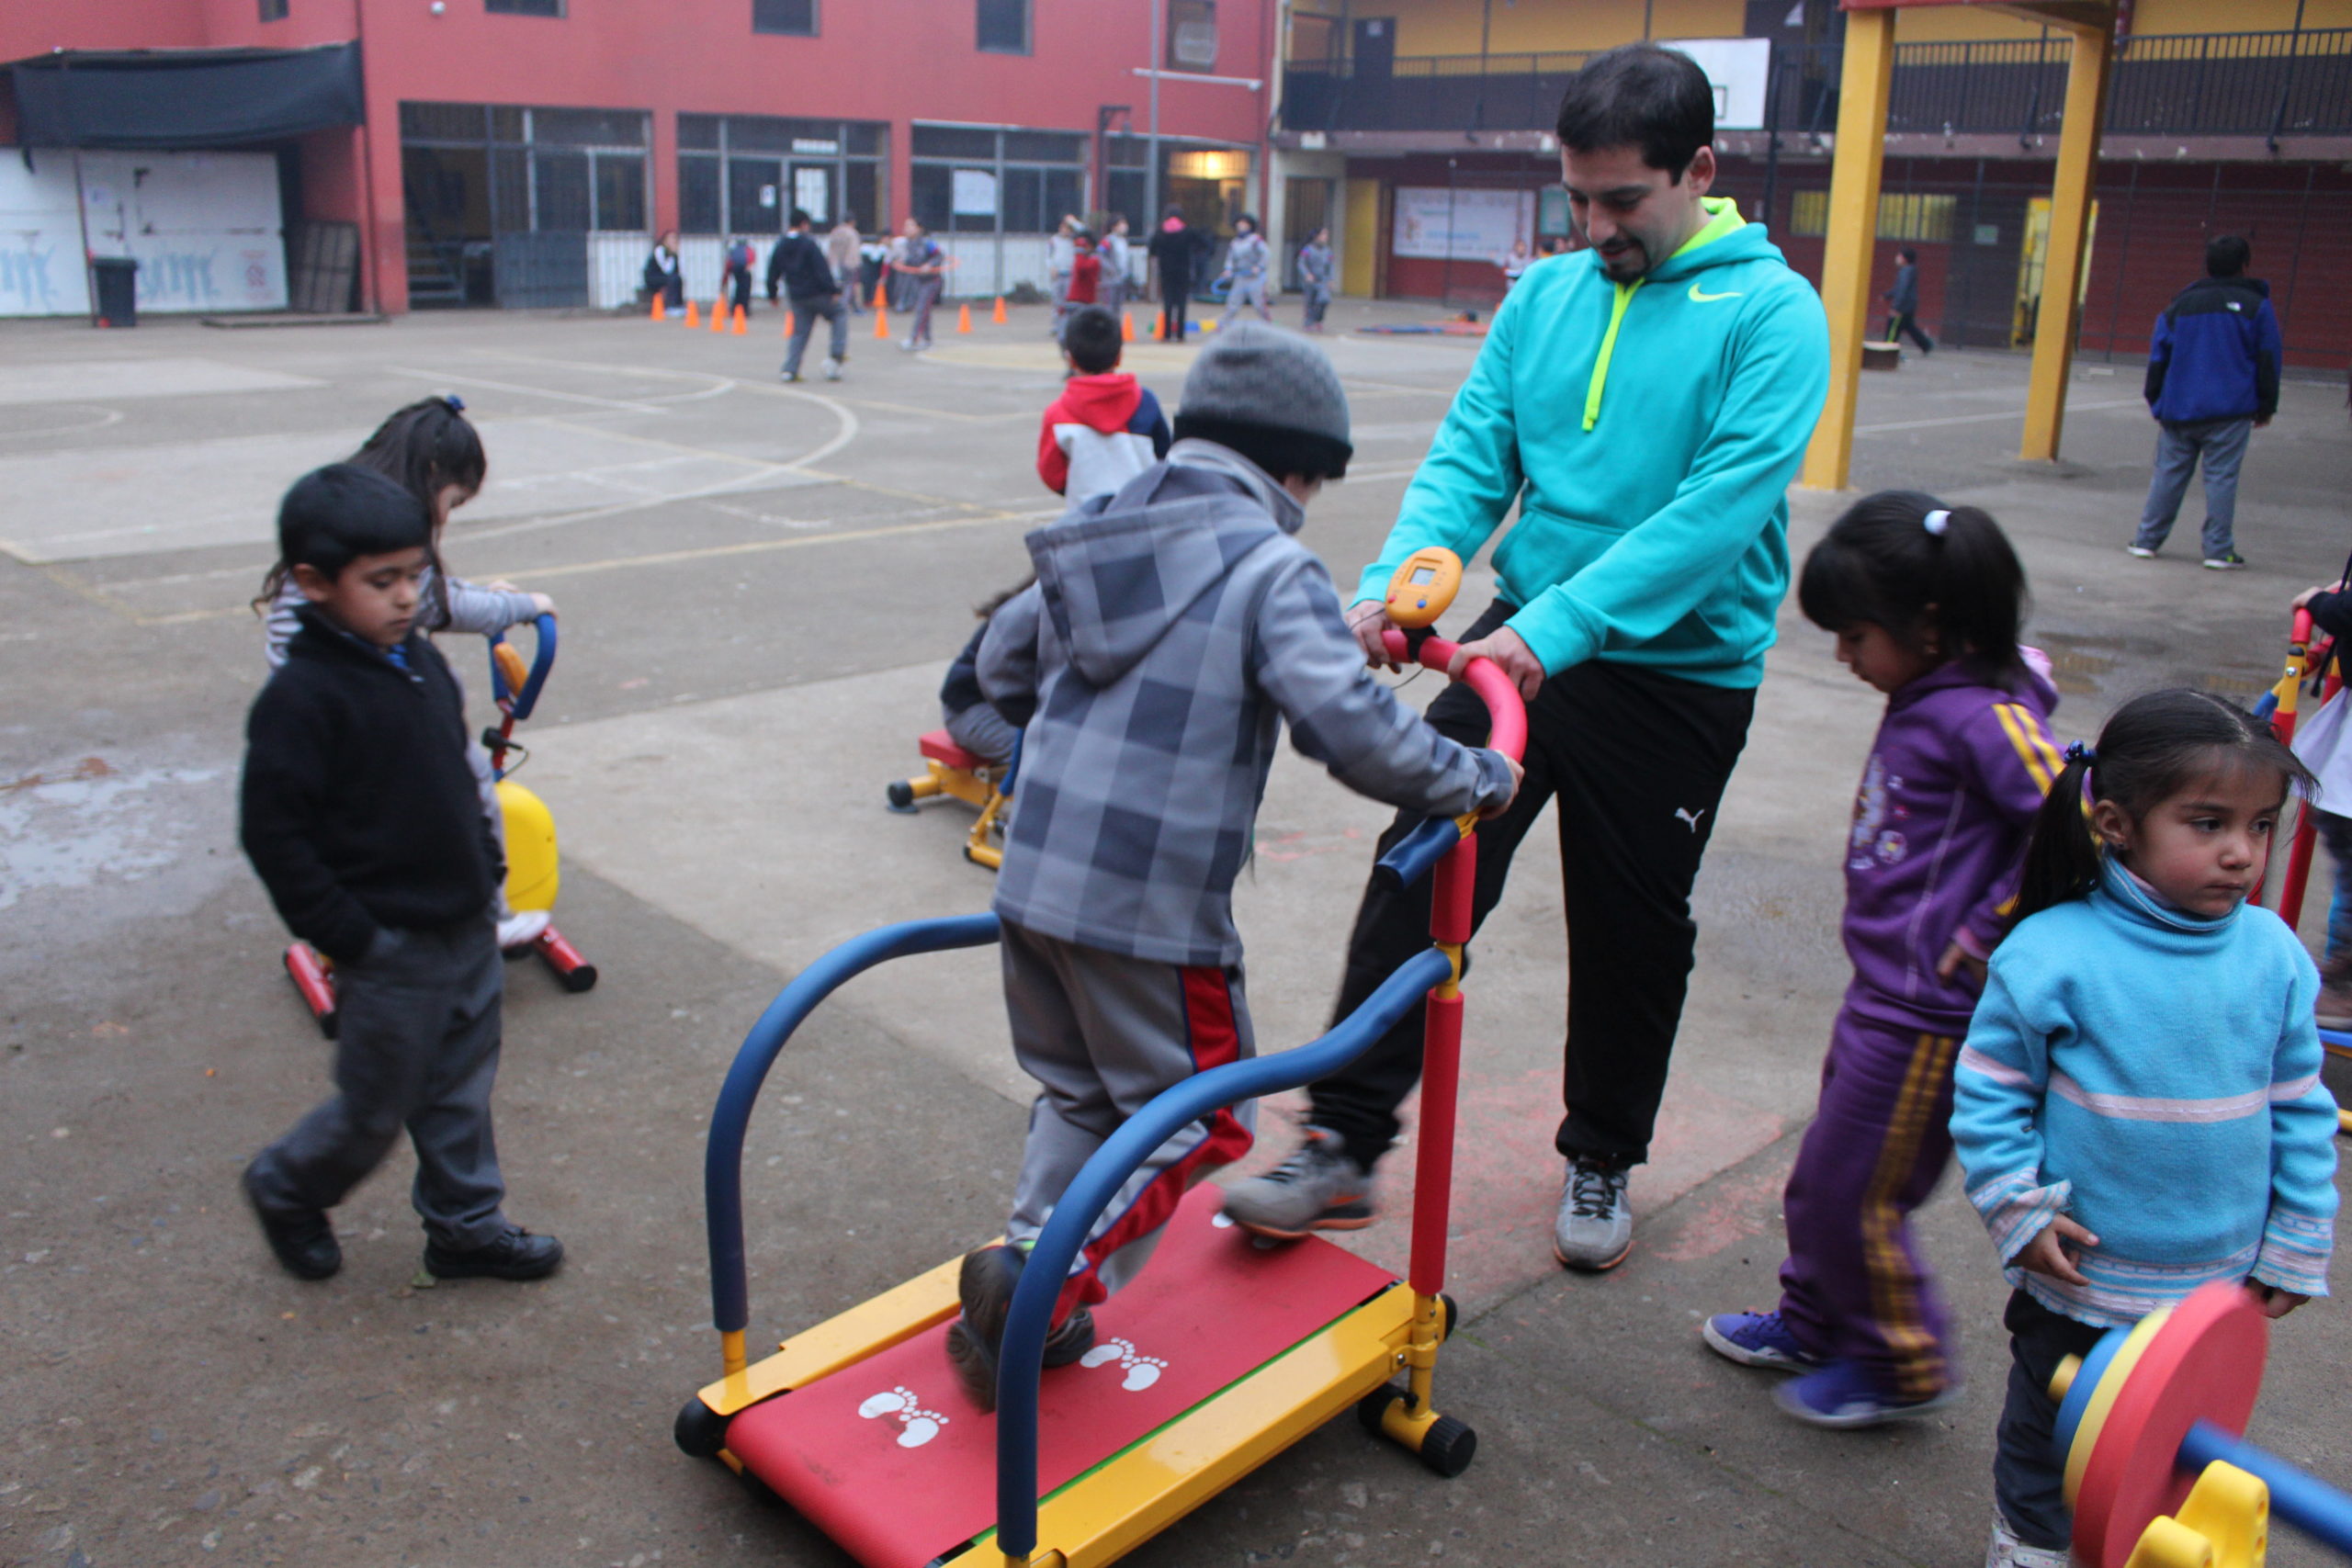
(1648, 432)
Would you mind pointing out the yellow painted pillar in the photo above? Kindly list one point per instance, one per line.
(1851, 241)
(2070, 214)
(1360, 246)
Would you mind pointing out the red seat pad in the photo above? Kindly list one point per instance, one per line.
(889, 1459)
(940, 747)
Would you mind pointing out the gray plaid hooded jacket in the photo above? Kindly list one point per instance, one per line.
(1172, 627)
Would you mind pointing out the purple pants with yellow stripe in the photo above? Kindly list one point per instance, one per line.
(1854, 1287)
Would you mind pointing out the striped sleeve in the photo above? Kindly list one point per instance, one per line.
(2015, 764)
(1997, 1090)
(2300, 1232)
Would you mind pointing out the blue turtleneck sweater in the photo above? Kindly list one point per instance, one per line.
(2154, 1075)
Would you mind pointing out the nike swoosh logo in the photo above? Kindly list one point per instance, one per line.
(1699, 298)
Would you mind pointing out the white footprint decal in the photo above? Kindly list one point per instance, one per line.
(1142, 1370)
(917, 1426)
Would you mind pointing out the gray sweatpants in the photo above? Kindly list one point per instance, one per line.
(806, 311)
(2221, 444)
(1245, 291)
(416, 1046)
(1103, 1033)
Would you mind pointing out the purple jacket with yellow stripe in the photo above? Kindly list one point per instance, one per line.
(1947, 802)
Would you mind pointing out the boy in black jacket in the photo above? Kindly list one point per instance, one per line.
(362, 817)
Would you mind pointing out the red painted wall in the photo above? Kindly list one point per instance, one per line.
(876, 60)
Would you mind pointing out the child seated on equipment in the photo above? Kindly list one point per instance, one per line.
(2138, 1109)
(1173, 627)
(965, 713)
(1105, 428)
(360, 815)
(430, 448)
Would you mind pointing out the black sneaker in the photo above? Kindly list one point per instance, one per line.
(2228, 560)
(515, 1254)
(301, 1238)
(985, 1289)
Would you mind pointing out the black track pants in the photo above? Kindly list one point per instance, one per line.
(1638, 761)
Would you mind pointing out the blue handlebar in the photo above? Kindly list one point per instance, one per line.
(542, 661)
(1022, 1360)
(1416, 854)
(722, 1174)
(2304, 1501)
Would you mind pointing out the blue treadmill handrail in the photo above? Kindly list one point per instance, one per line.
(722, 1170)
(1022, 1360)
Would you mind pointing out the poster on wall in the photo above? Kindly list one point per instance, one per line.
(1443, 223)
(204, 228)
(975, 193)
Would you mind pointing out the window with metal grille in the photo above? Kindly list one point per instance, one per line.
(794, 18)
(1004, 25)
(1902, 215)
(1191, 35)
(524, 8)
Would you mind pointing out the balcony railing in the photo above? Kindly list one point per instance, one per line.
(2266, 83)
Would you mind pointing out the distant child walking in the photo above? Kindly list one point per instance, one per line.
(924, 265)
(361, 817)
(1316, 270)
(1925, 601)
(1246, 262)
(1174, 626)
(2140, 1110)
(1106, 427)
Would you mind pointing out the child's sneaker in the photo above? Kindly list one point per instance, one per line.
(832, 369)
(1845, 1395)
(985, 1288)
(2333, 1009)
(2228, 560)
(1756, 1340)
(2141, 552)
(2006, 1551)
(1318, 1188)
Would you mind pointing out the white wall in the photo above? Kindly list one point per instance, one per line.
(203, 227)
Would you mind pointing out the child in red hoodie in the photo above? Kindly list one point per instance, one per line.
(1105, 428)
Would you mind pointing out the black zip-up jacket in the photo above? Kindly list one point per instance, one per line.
(799, 264)
(359, 810)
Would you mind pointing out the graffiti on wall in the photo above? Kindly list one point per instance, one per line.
(27, 286)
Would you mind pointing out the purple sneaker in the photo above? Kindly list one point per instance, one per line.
(1845, 1395)
(1756, 1340)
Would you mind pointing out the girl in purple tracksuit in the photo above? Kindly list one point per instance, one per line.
(1925, 601)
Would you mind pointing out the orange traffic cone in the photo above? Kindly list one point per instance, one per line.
(787, 324)
(719, 315)
(963, 318)
(693, 317)
(1159, 327)
(743, 320)
(881, 315)
(881, 298)
(1127, 326)
(999, 317)
(659, 311)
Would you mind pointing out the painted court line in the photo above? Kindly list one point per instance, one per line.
(2018, 415)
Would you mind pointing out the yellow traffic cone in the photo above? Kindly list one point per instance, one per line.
(963, 318)
(693, 317)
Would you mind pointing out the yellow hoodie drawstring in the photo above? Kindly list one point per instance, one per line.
(1608, 347)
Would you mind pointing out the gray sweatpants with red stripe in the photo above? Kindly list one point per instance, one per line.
(1103, 1033)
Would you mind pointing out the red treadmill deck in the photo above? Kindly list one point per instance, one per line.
(889, 1459)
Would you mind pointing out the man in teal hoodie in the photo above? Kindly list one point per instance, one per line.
(1644, 401)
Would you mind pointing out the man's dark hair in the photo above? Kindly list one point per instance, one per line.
(1907, 254)
(1091, 338)
(333, 516)
(2226, 255)
(800, 218)
(1640, 95)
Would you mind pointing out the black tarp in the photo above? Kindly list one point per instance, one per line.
(163, 98)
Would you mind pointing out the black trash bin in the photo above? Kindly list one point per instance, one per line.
(115, 280)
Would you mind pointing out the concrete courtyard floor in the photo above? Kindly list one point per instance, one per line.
(760, 586)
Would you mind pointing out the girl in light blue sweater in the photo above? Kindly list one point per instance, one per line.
(2138, 1108)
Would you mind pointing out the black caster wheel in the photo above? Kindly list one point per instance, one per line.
(1449, 1448)
(1374, 1405)
(582, 978)
(329, 1021)
(701, 1431)
(1452, 1317)
(901, 795)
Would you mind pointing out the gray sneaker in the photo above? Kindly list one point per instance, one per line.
(832, 369)
(1595, 1228)
(1318, 1188)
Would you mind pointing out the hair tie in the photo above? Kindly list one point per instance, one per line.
(2080, 751)
(456, 404)
(1936, 522)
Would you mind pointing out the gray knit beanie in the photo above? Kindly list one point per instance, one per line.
(1270, 396)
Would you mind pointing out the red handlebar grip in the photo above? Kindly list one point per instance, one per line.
(1507, 715)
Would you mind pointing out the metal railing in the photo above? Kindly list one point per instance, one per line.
(2255, 83)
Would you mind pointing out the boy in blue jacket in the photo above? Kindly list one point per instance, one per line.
(2212, 381)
